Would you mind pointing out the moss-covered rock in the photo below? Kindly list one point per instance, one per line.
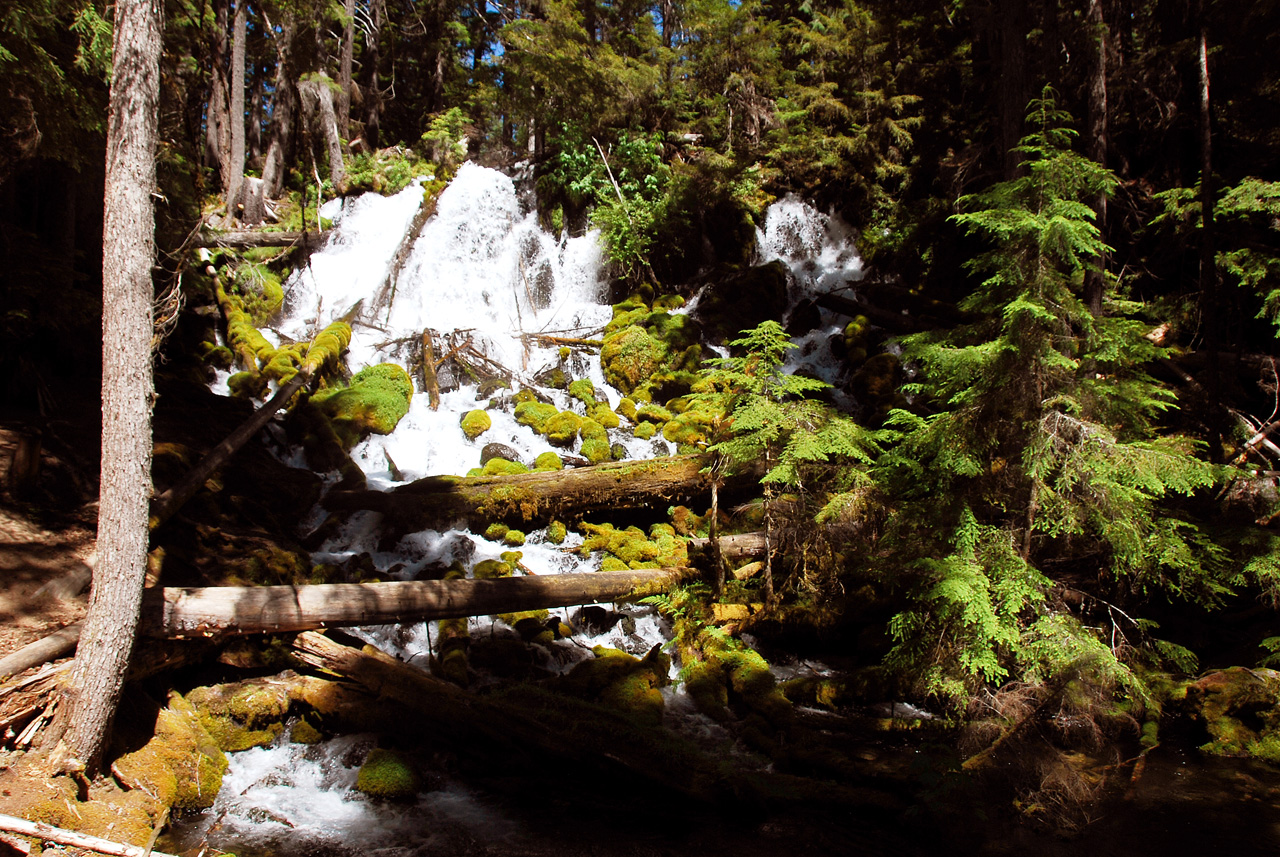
(535, 414)
(584, 391)
(304, 733)
(1240, 710)
(605, 417)
(181, 765)
(627, 408)
(499, 467)
(242, 715)
(547, 461)
(622, 681)
(514, 538)
(631, 356)
(386, 774)
(644, 431)
(563, 428)
(557, 532)
(631, 548)
(596, 450)
(476, 423)
(495, 532)
(376, 401)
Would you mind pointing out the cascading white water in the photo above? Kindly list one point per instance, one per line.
(481, 264)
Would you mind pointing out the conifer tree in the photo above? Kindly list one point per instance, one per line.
(1037, 437)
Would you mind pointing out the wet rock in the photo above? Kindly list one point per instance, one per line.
(387, 774)
(594, 619)
(1240, 709)
(498, 450)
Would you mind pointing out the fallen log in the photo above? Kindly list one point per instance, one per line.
(49, 833)
(532, 498)
(733, 548)
(250, 239)
(228, 610)
(57, 644)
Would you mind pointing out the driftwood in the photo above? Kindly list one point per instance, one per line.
(226, 610)
(49, 833)
(249, 239)
(533, 497)
(386, 293)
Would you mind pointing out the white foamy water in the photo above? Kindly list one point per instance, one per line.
(483, 271)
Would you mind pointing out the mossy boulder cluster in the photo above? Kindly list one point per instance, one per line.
(650, 353)
(1240, 710)
(242, 715)
(631, 548)
(622, 681)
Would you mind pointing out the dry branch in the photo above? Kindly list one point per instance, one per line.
(249, 239)
(59, 643)
(49, 833)
(224, 610)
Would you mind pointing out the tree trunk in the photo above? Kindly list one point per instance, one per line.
(235, 176)
(1096, 149)
(224, 610)
(217, 127)
(344, 70)
(89, 703)
(317, 104)
(372, 94)
(1011, 80)
(1208, 264)
(534, 497)
(280, 150)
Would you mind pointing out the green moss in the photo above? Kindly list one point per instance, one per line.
(612, 563)
(524, 396)
(565, 351)
(495, 532)
(181, 764)
(535, 414)
(605, 417)
(621, 681)
(563, 428)
(387, 774)
(217, 356)
(304, 733)
(491, 569)
(644, 431)
(630, 356)
(502, 467)
(669, 302)
(555, 378)
(514, 538)
(557, 532)
(592, 430)
(653, 414)
(627, 408)
(247, 385)
(376, 401)
(547, 461)
(584, 391)
(596, 450)
(242, 715)
(476, 423)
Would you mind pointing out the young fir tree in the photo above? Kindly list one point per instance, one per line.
(806, 450)
(1037, 446)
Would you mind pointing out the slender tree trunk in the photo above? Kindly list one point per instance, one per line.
(253, 131)
(372, 94)
(344, 70)
(235, 176)
(317, 104)
(217, 130)
(89, 704)
(1208, 265)
(1011, 80)
(280, 150)
(1096, 149)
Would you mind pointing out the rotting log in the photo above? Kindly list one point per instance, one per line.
(250, 239)
(49, 833)
(59, 643)
(228, 610)
(532, 498)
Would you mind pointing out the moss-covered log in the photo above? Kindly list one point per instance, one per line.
(223, 610)
(532, 498)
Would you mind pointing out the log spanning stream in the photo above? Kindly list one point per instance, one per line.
(479, 272)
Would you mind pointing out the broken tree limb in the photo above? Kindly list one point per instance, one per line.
(429, 380)
(228, 610)
(534, 497)
(251, 239)
(52, 647)
(49, 833)
(386, 293)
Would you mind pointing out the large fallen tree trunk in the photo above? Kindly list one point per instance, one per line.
(225, 610)
(733, 548)
(532, 498)
(250, 239)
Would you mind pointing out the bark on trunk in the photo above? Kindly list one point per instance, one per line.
(280, 150)
(1208, 264)
(732, 548)
(128, 251)
(1096, 149)
(228, 610)
(317, 103)
(217, 130)
(372, 94)
(235, 175)
(1011, 77)
(534, 497)
(344, 69)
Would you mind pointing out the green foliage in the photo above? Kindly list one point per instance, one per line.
(445, 139)
(1045, 438)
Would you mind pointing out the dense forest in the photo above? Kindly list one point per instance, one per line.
(1042, 501)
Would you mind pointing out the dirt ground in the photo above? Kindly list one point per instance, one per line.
(35, 549)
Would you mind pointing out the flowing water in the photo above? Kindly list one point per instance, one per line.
(485, 273)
